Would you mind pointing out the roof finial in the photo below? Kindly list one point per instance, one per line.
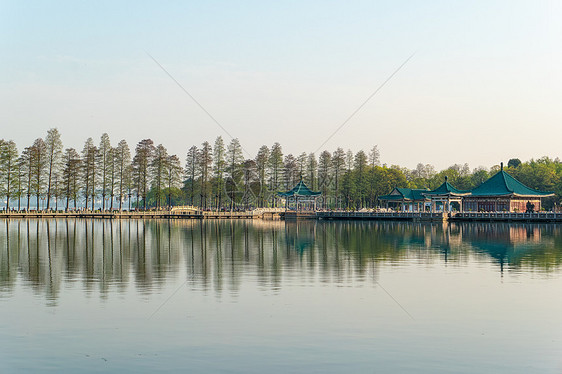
(501, 166)
(446, 178)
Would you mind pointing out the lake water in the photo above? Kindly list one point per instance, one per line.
(274, 297)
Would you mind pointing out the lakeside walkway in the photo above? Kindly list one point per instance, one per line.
(277, 213)
(466, 216)
(102, 215)
(158, 214)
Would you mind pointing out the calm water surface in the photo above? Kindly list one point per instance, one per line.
(275, 297)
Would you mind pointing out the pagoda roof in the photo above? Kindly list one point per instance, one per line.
(447, 189)
(300, 189)
(410, 194)
(503, 184)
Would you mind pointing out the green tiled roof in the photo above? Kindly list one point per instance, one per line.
(392, 197)
(418, 194)
(503, 184)
(300, 190)
(446, 189)
(404, 194)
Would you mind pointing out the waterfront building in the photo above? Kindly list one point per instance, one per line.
(500, 193)
(406, 200)
(300, 198)
(446, 198)
(503, 193)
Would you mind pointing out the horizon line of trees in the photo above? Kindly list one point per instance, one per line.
(219, 177)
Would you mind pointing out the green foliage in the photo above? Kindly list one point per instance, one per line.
(71, 176)
(261, 160)
(219, 165)
(219, 177)
(514, 163)
(53, 150)
(105, 167)
(176, 195)
(8, 171)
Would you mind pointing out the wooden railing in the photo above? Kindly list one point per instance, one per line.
(508, 216)
(183, 208)
(261, 212)
(382, 215)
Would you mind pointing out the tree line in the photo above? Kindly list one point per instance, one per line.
(51, 178)
(221, 177)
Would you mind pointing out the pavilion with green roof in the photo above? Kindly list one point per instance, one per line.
(504, 193)
(406, 199)
(500, 193)
(303, 198)
(445, 195)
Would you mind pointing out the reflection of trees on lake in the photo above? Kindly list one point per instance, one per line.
(517, 245)
(219, 255)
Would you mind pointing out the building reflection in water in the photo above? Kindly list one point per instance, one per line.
(219, 255)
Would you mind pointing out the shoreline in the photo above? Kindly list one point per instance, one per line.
(297, 216)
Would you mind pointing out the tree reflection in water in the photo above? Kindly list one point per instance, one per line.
(111, 255)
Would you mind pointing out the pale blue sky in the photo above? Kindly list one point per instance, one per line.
(484, 84)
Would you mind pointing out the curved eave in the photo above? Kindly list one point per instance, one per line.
(447, 194)
(392, 199)
(494, 195)
(298, 195)
(534, 196)
(508, 194)
(404, 200)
